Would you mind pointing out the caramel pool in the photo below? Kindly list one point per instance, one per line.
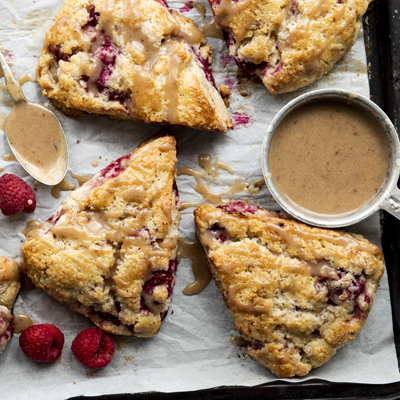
(328, 158)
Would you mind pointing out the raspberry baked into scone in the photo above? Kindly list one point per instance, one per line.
(130, 59)
(9, 288)
(288, 43)
(297, 293)
(109, 252)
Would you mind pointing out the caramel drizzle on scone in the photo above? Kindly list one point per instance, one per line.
(145, 61)
(288, 43)
(110, 251)
(297, 293)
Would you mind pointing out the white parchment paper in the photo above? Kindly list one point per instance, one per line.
(193, 349)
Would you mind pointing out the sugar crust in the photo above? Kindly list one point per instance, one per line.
(297, 293)
(109, 239)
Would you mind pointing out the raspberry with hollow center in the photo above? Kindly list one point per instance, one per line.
(15, 195)
(93, 348)
(42, 343)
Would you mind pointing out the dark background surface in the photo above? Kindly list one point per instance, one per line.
(382, 40)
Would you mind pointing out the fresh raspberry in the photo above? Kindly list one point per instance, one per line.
(42, 343)
(15, 195)
(93, 348)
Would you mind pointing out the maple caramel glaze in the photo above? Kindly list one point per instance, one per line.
(9, 157)
(64, 185)
(209, 29)
(22, 321)
(82, 179)
(30, 225)
(211, 171)
(37, 140)
(168, 53)
(202, 276)
(227, 11)
(328, 158)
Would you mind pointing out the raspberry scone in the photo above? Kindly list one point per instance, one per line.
(109, 252)
(288, 43)
(130, 59)
(297, 293)
(9, 288)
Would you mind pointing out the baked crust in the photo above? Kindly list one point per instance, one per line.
(297, 293)
(289, 43)
(9, 288)
(109, 252)
(130, 59)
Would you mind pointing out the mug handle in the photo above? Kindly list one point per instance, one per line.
(392, 203)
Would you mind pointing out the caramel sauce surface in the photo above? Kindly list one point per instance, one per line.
(37, 139)
(328, 158)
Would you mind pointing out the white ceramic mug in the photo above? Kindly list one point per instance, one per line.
(387, 197)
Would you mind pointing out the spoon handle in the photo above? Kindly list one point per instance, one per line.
(13, 86)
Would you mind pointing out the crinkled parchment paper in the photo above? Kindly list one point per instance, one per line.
(193, 349)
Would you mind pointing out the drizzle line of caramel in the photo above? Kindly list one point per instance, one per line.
(211, 171)
(80, 178)
(194, 252)
(22, 321)
(63, 185)
(9, 157)
(30, 225)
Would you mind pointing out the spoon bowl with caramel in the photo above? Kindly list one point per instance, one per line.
(34, 134)
(332, 158)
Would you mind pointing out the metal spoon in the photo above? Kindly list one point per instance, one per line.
(34, 134)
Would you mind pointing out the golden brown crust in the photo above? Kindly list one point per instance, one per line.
(289, 43)
(109, 252)
(225, 94)
(9, 281)
(9, 288)
(297, 293)
(130, 60)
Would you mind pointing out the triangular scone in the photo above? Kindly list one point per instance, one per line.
(288, 43)
(109, 252)
(296, 293)
(130, 59)
(9, 288)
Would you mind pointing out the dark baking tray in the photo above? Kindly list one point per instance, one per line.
(382, 41)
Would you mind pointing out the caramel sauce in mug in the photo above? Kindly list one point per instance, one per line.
(328, 158)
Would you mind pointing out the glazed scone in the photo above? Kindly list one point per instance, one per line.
(9, 288)
(296, 293)
(109, 252)
(130, 59)
(288, 43)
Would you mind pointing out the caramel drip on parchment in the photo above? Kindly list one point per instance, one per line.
(194, 252)
(211, 171)
(200, 8)
(80, 178)
(22, 321)
(30, 225)
(9, 157)
(22, 79)
(63, 185)
(210, 30)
